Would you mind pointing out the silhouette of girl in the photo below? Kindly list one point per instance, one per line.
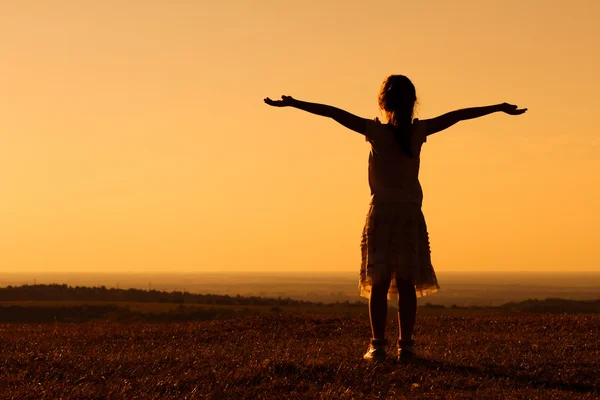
(395, 244)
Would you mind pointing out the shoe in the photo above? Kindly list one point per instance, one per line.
(376, 350)
(406, 351)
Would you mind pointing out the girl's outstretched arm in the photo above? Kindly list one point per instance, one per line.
(345, 118)
(447, 120)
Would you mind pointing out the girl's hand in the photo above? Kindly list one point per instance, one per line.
(285, 101)
(511, 109)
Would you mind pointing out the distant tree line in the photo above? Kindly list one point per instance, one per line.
(63, 292)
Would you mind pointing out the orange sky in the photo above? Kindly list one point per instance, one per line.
(134, 136)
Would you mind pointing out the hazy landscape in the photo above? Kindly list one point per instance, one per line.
(461, 289)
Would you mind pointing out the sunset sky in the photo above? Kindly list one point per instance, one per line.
(134, 137)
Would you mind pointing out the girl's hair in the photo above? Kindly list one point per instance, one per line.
(397, 99)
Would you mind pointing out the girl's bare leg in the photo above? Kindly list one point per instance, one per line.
(407, 309)
(378, 309)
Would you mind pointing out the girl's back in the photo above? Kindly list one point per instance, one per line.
(393, 174)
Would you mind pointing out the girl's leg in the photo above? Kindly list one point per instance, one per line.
(407, 309)
(378, 309)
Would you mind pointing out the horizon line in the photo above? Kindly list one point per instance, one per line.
(295, 272)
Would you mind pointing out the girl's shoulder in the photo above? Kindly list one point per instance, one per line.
(375, 130)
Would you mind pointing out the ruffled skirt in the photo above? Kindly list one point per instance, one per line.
(395, 244)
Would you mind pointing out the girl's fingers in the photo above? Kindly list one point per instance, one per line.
(274, 103)
(513, 109)
(279, 103)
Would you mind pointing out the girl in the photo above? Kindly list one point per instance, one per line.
(395, 244)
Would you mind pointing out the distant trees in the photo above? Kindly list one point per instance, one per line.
(63, 292)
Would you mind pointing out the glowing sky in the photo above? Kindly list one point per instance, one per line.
(134, 137)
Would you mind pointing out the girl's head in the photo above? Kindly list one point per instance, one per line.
(397, 99)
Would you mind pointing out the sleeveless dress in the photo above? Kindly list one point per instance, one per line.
(395, 242)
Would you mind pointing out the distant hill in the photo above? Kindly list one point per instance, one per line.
(62, 292)
(63, 303)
